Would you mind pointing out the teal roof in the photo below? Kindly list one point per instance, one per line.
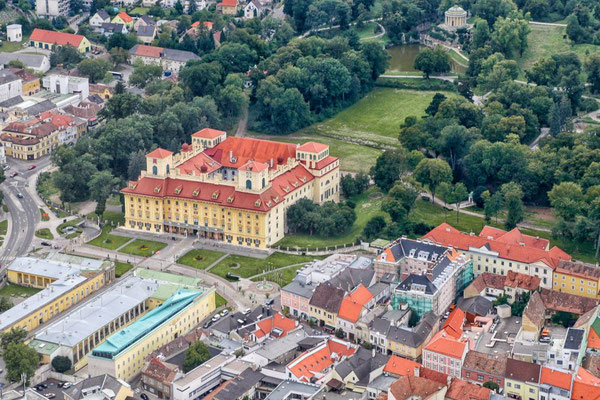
(124, 338)
(167, 277)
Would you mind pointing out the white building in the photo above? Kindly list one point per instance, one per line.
(2, 155)
(35, 62)
(52, 8)
(10, 85)
(14, 33)
(65, 84)
(201, 379)
(252, 10)
(99, 18)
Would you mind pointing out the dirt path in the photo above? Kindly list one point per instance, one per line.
(242, 127)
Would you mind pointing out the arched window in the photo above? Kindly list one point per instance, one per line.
(263, 182)
(248, 184)
(155, 170)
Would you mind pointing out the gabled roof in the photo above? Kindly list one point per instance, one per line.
(476, 305)
(522, 371)
(462, 390)
(489, 363)
(103, 14)
(313, 147)
(362, 363)
(320, 358)
(59, 38)
(159, 153)
(401, 366)
(160, 370)
(535, 310)
(124, 16)
(579, 269)
(561, 301)
(228, 3)
(556, 378)
(244, 148)
(208, 133)
(585, 386)
(453, 325)
(327, 298)
(143, 50)
(352, 305)
(408, 386)
(446, 345)
(277, 322)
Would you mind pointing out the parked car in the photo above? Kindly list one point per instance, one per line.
(270, 302)
(20, 195)
(67, 385)
(14, 174)
(50, 395)
(224, 313)
(216, 318)
(144, 396)
(207, 324)
(46, 244)
(31, 167)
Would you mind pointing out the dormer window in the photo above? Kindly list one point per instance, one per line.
(178, 189)
(230, 199)
(157, 189)
(215, 195)
(196, 192)
(257, 203)
(132, 185)
(303, 179)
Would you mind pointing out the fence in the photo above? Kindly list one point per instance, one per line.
(323, 251)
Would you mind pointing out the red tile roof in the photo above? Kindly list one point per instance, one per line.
(585, 386)
(254, 166)
(353, 303)
(556, 378)
(313, 147)
(453, 325)
(159, 153)
(445, 345)
(505, 246)
(208, 133)
(401, 366)
(59, 38)
(200, 163)
(461, 390)
(143, 50)
(526, 282)
(320, 358)
(277, 321)
(228, 3)
(514, 236)
(244, 149)
(124, 16)
(408, 386)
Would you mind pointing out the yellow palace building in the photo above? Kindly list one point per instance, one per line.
(229, 189)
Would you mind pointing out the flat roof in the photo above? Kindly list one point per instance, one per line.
(216, 362)
(83, 262)
(52, 292)
(167, 277)
(122, 339)
(90, 316)
(52, 268)
(286, 388)
(43, 347)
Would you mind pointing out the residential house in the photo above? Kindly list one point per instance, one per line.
(228, 7)
(296, 297)
(29, 139)
(511, 285)
(360, 369)
(253, 9)
(432, 276)
(409, 342)
(146, 33)
(109, 28)
(555, 301)
(276, 326)
(48, 40)
(35, 62)
(482, 367)
(123, 18)
(158, 376)
(104, 91)
(522, 380)
(569, 350)
(475, 307)
(416, 387)
(10, 85)
(30, 83)
(576, 277)
(86, 110)
(52, 8)
(447, 350)
(534, 317)
(399, 366)
(169, 59)
(585, 386)
(144, 20)
(250, 385)
(462, 390)
(317, 364)
(288, 390)
(325, 304)
(70, 128)
(555, 384)
(91, 387)
(353, 307)
(99, 18)
(498, 251)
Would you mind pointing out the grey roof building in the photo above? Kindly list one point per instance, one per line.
(362, 364)
(350, 278)
(105, 384)
(476, 305)
(38, 63)
(327, 298)
(294, 390)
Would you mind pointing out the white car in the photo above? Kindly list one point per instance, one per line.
(216, 318)
(224, 313)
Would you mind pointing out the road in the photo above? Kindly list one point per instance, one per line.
(24, 212)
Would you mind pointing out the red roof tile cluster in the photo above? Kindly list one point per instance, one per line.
(159, 153)
(125, 17)
(160, 370)
(522, 281)
(277, 321)
(462, 390)
(585, 386)
(408, 387)
(511, 245)
(320, 358)
(228, 3)
(454, 324)
(579, 269)
(208, 133)
(143, 50)
(313, 147)
(401, 366)
(571, 303)
(235, 151)
(59, 38)
(556, 378)
(354, 302)
(448, 340)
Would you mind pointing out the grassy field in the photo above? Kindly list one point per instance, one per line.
(139, 10)
(44, 215)
(10, 290)
(44, 233)
(11, 47)
(114, 217)
(108, 241)
(220, 300)
(368, 205)
(3, 227)
(200, 259)
(143, 248)
(121, 268)
(282, 278)
(543, 41)
(246, 267)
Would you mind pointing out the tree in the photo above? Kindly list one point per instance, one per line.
(118, 56)
(434, 105)
(492, 204)
(567, 200)
(232, 99)
(388, 168)
(456, 195)
(354, 185)
(121, 106)
(120, 40)
(5, 304)
(432, 61)
(374, 227)
(510, 36)
(519, 304)
(66, 55)
(513, 202)
(94, 68)
(431, 172)
(20, 359)
(340, 333)
(144, 73)
(61, 364)
(195, 355)
(15, 335)
(101, 185)
(16, 64)
(137, 164)
(492, 386)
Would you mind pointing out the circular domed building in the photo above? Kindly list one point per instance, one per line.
(455, 17)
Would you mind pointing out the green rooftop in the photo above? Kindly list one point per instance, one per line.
(43, 347)
(168, 278)
(380, 243)
(125, 337)
(165, 291)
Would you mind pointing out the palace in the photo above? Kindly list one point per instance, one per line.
(235, 190)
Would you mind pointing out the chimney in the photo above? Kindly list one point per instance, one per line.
(271, 162)
(417, 371)
(230, 155)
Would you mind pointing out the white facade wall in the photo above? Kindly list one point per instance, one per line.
(11, 89)
(14, 33)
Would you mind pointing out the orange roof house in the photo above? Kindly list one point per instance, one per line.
(354, 303)
(398, 366)
(159, 153)
(448, 342)
(313, 364)
(45, 39)
(585, 386)
(462, 390)
(410, 387)
(553, 377)
(228, 7)
(453, 326)
(277, 326)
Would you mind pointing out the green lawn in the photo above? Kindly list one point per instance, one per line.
(368, 205)
(219, 300)
(143, 248)
(249, 266)
(114, 201)
(282, 278)
(10, 290)
(44, 215)
(3, 227)
(114, 217)
(200, 259)
(121, 268)
(377, 117)
(44, 233)
(73, 222)
(140, 10)
(108, 241)
(11, 47)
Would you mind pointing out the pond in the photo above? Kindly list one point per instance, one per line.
(403, 59)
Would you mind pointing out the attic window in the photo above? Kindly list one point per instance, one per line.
(178, 189)
(286, 189)
(295, 184)
(132, 185)
(303, 179)
(257, 203)
(230, 199)
(215, 195)
(156, 189)
(196, 192)
(276, 199)
(269, 203)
